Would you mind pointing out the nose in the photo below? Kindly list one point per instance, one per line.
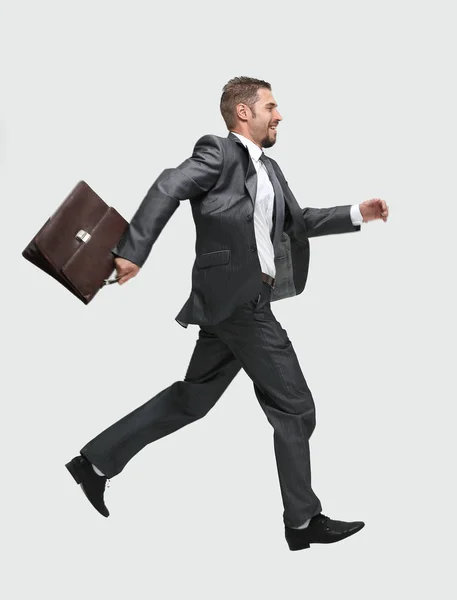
(278, 115)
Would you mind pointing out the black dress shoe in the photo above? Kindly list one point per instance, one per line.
(92, 485)
(321, 530)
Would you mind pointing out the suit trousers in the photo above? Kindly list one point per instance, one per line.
(250, 338)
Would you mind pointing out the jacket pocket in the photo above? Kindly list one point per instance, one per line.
(209, 259)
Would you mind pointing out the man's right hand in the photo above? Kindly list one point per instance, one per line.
(125, 269)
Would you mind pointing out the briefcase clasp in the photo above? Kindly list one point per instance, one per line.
(83, 236)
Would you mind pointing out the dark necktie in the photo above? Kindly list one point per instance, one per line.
(279, 201)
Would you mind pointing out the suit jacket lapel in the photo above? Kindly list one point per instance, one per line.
(290, 202)
(250, 180)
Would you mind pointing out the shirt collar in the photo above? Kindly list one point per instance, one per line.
(254, 151)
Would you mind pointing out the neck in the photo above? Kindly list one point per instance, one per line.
(248, 137)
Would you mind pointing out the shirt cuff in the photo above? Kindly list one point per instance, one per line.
(356, 215)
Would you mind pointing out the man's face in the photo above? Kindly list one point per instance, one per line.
(262, 126)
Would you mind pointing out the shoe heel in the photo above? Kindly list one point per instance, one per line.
(74, 471)
(293, 546)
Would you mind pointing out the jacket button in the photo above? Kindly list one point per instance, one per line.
(253, 248)
(249, 218)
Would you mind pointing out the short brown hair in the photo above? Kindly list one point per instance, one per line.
(239, 89)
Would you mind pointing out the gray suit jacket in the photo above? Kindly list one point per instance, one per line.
(220, 181)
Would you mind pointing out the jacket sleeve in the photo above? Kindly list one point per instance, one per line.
(325, 221)
(191, 178)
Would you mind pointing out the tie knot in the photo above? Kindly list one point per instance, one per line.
(263, 157)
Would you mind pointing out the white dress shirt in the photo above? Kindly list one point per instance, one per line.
(263, 209)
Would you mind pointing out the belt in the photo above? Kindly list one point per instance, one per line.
(268, 279)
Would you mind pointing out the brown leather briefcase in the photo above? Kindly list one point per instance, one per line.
(74, 245)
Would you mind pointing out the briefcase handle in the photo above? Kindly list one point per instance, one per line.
(110, 281)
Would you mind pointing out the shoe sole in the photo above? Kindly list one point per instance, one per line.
(303, 546)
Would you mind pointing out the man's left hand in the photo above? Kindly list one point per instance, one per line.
(374, 209)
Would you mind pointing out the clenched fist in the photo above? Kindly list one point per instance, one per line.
(374, 209)
(125, 269)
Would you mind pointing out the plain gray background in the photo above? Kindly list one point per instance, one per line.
(113, 93)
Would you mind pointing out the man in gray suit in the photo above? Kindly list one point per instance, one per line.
(251, 248)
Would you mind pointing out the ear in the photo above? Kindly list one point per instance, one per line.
(243, 111)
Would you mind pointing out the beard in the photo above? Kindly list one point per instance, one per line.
(267, 142)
